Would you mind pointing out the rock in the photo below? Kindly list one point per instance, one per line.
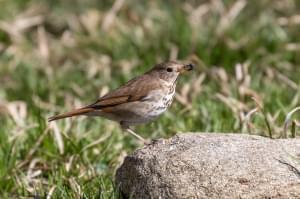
(213, 166)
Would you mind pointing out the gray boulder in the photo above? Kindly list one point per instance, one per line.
(212, 166)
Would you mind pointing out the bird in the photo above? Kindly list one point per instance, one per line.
(139, 101)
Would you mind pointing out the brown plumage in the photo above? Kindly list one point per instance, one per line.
(138, 101)
(134, 90)
(80, 111)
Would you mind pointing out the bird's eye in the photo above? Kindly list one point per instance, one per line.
(169, 69)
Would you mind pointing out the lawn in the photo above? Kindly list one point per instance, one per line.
(58, 55)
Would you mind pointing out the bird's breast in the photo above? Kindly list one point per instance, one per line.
(163, 100)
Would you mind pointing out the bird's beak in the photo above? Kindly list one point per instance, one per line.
(186, 67)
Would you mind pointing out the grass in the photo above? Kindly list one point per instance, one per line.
(57, 55)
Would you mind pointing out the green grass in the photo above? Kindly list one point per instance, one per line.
(82, 61)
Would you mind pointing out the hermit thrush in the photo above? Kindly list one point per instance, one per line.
(140, 100)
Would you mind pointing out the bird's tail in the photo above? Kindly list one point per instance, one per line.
(80, 111)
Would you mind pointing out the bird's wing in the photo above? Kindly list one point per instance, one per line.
(136, 89)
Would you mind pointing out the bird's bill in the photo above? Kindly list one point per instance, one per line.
(186, 67)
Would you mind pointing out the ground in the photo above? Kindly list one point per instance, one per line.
(57, 55)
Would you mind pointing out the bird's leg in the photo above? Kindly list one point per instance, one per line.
(129, 130)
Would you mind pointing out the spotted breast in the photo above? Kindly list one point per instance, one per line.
(162, 102)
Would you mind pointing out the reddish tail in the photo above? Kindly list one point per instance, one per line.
(80, 111)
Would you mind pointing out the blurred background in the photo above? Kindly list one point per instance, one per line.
(57, 55)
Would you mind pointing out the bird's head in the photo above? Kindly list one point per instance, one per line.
(169, 71)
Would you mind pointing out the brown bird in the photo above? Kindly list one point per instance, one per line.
(140, 100)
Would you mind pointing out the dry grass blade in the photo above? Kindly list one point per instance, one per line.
(221, 76)
(292, 46)
(287, 81)
(43, 43)
(75, 187)
(19, 132)
(174, 52)
(90, 21)
(260, 108)
(68, 165)
(33, 175)
(258, 103)
(44, 105)
(110, 16)
(196, 14)
(239, 72)
(293, 20)
(58, 137)
(18, 111)
(243, 79)
(183, 97)
(30, 172)
(288, 119)
(51, 191)
(16, 28)
(197, 85)
(248, 117)
(96, 142)
(297, 123)
(232, 103)
(228, 19)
